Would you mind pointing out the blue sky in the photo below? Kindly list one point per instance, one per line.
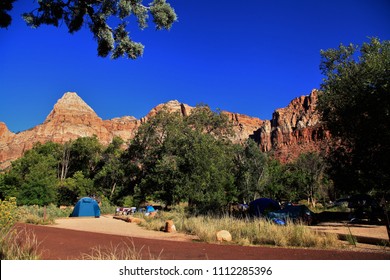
(249, 57)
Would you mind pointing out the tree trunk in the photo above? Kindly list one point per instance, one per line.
(112, 190)
(65, 162)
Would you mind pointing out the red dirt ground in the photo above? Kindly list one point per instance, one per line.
(65, 244)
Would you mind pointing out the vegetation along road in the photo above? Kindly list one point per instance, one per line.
(64, 244)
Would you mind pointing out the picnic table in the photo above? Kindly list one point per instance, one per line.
(125, 210)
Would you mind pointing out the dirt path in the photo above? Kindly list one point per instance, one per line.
(106, 224)
(62, 242)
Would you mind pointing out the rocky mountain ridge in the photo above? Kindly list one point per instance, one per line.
(294, 129)
(291, 130)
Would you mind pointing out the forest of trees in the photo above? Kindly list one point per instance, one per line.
(172, 159)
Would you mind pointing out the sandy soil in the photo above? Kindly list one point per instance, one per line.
(371, 231)
(108, 225)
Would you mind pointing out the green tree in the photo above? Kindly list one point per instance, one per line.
(33, 178)
(308, 178)
(97, 15)
(277, 184)
(252, 174)
(184, 159)
(355, 106)
(40, 184)
(75, 187)
(5, 18)
(85, 155)
(110, 178)
(144, 152)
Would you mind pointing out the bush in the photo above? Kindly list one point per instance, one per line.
(15, 244)
(35, 214)
(8, 214)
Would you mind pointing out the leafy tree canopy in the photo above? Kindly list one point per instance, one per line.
(355, 106)
(5, 7)
(99, 15)
(177, 158)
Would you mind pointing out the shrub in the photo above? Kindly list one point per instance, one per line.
(8, 214)
(106, 207)
(35, 214)
(15, 244)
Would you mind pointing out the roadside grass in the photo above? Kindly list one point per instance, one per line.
(19, 245)
(244, 231)
(15, 244)
(39, 215)
(123, 251)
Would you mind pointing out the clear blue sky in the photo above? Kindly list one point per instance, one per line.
(250, 57)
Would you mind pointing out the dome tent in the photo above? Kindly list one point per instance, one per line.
(295, 213)
(150, 209)
(86, 207)
(260, 207)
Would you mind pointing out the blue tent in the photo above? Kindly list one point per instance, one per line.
(150, 209)
(86, 207)
(294, 213)
(260, 207)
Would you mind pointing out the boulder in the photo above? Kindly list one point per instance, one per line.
(170, 226)
(224, 236)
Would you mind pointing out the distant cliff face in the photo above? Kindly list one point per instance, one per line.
(291, 130)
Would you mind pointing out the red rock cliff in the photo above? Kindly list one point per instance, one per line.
(294, 129)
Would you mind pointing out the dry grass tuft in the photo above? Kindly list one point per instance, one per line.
(245, 231)
(122, 251)
(19, 245)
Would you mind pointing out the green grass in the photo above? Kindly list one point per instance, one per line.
(39, 215)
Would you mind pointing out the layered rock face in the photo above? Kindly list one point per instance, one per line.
(244, 126)
(70, 119)
(293, 130)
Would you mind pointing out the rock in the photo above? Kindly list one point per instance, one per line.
(135, 220)
(224, 236)
(170, 226)
(293, 130)
(152, 214)
(243, 126)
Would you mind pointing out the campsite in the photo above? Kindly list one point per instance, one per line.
(82, 234)
(132, 230)
(250, 130)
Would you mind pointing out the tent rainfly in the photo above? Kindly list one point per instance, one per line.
(86, 207)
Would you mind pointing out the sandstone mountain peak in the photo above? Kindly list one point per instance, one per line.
(70, 104)
(4, 132)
